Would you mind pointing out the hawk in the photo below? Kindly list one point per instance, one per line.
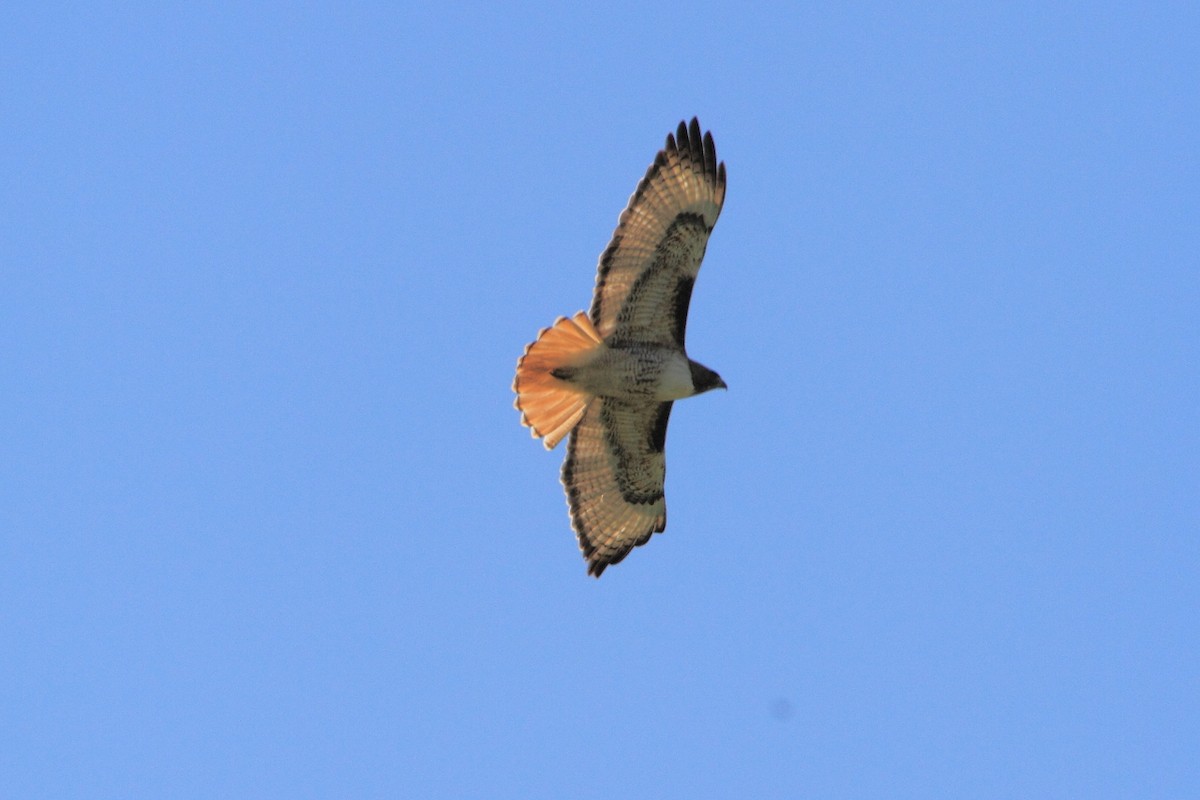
(609, 377)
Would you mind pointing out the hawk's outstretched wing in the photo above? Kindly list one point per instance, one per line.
(614, 475)
(645, 277)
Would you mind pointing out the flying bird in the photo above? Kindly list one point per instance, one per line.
(609, 377)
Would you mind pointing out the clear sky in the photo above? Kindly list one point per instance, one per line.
(269, 526)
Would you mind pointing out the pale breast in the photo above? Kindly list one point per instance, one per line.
(647, 372)
(676, 379)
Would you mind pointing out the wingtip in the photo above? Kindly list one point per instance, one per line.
(697, 140)
(710, 154)
(693, 140)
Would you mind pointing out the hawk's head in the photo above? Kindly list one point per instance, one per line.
(704, 378)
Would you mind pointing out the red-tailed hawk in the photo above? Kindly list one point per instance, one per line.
(608, 378)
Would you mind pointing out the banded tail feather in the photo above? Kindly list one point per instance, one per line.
(551, 407)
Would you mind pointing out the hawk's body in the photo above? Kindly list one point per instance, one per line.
(609, 377)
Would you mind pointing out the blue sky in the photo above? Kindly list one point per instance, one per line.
(269, 526)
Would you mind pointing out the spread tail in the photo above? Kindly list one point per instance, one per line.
(549, 405)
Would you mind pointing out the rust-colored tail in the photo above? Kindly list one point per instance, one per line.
(550, 406)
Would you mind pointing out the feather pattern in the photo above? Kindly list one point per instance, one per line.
(645, 275)
(614, 474)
